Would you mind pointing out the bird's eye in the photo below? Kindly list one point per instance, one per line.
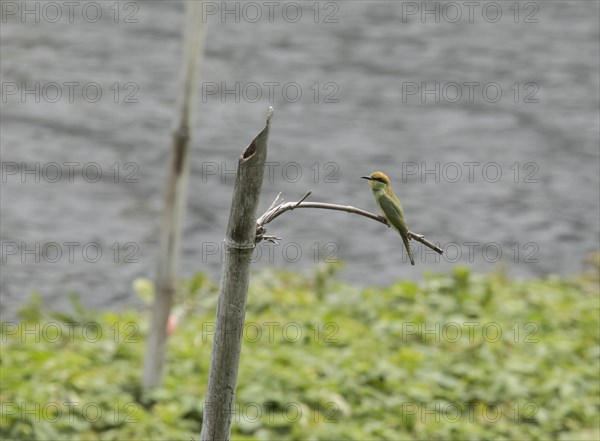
(380, 180)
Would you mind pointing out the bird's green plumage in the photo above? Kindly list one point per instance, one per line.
(390, 206)
(393, 212)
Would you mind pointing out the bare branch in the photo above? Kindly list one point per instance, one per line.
(303, 199)
(279, 206)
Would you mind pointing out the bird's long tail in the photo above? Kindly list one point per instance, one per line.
(407, 246)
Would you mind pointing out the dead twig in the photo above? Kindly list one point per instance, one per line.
(279, 206)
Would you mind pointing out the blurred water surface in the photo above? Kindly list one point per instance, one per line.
(357, 113)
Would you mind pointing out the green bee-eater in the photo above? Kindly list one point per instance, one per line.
(390, 206)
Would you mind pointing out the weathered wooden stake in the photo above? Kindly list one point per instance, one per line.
(170, 234)
(231, 310)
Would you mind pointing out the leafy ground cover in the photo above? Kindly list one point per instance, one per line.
(459, 356)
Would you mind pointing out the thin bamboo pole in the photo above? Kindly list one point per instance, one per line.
(170, 233)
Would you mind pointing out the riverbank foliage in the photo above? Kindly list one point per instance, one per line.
(455, 357)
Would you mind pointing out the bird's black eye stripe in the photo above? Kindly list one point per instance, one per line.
(380, 180)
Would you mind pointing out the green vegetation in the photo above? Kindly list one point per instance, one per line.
(457, 357)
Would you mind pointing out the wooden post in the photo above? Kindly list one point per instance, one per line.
(170, 233)
(231, 310)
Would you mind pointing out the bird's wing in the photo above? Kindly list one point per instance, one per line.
(393, 213)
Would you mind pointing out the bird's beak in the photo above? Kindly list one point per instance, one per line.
(367, 177)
